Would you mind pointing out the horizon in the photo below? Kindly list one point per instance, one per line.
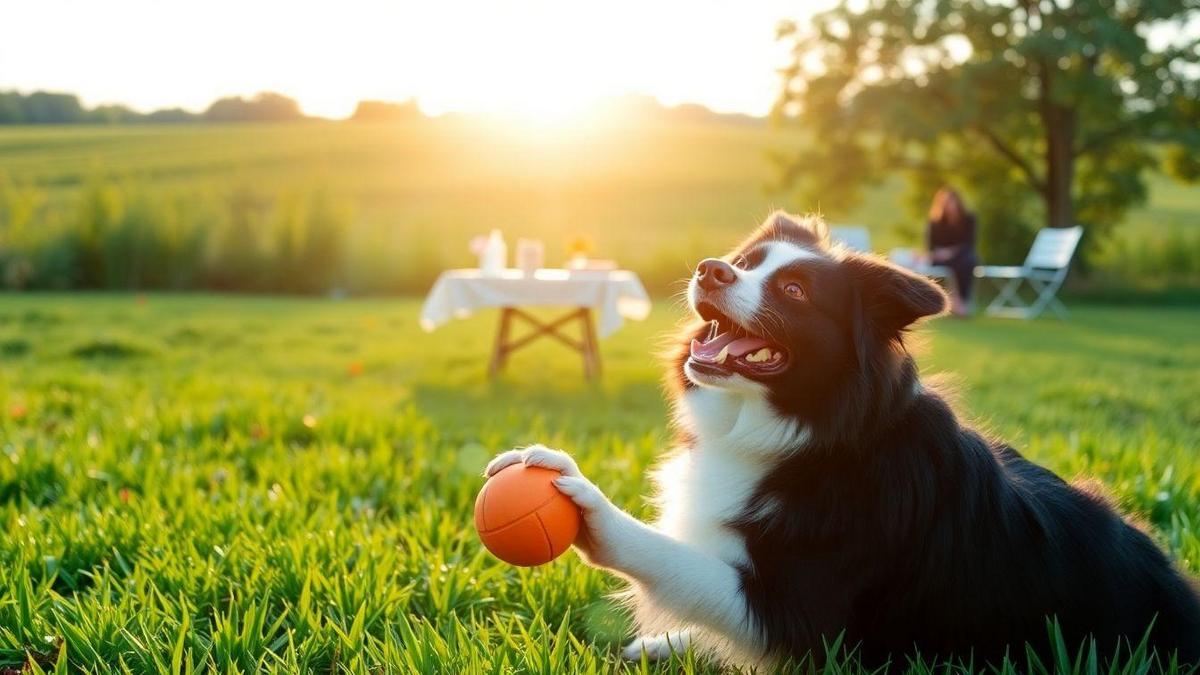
(597, 108)
(153, 56)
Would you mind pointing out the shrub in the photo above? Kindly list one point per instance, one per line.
(1170, 258)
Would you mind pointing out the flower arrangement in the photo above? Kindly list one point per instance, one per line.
(580, 246)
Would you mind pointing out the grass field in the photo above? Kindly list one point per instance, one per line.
(653, 196)
(249, 484)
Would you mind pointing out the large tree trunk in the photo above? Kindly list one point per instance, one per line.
(1058, 121)
(1060, 166)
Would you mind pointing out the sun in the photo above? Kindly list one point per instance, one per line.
(530, 75)
(547, 108)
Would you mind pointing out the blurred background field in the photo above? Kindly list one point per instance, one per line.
(252, 484)
(320, 206)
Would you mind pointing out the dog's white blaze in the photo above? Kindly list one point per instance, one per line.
(748, 291)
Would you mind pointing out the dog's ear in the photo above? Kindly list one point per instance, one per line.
(890, 297)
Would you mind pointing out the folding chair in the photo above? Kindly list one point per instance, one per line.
(1045, 269)
(853, 237)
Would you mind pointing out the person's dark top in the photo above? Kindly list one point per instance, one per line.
(945, 233)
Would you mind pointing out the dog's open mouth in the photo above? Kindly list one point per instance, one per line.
(729, 348)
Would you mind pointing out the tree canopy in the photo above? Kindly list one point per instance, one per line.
(40, 107)
(264, 107)
(1043, 110)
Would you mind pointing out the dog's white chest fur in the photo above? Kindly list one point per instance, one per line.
(738, 437)
(701, 491)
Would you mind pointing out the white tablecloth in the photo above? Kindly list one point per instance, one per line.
(615, 295)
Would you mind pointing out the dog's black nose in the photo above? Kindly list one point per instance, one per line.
(712, 273)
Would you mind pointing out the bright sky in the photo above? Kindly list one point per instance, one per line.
(527, 57)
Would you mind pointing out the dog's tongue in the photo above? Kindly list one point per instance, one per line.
(708, 351)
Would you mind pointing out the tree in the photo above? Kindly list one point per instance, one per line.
(1058, 105)
(264, 107)
(44, 107)
(170, 116)
(12, 108)
(115, 113)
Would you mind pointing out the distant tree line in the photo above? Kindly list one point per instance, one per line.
(44, 107)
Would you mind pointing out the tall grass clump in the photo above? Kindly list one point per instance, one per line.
(124, 234)
(1169, 258)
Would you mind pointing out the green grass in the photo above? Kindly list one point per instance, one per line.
(248, 484)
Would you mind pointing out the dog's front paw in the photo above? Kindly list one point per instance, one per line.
(502, 461)
(602, 539)
(533, 455)
(586, 496)
(657, 647)
(540, 455)
(599, 539)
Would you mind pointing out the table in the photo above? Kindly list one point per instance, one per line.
(612, 296)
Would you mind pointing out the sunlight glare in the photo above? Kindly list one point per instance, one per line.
(542, 61)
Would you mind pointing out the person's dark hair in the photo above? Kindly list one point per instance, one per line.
(947, 207)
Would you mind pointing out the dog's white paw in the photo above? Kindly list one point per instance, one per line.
(533, 455)
(540, 455)
(657, 647)
(586, 496)
(502, 461)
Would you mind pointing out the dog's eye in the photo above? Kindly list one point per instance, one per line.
(794, 290)
(741, 263)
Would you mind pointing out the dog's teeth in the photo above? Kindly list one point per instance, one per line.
(775, 356)
(760, 355)
(723, 354)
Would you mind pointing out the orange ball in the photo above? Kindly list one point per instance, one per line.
(522, 518)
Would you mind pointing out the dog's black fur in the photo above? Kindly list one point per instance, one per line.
(904, 528)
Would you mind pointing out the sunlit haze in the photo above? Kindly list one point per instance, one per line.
(528, 58)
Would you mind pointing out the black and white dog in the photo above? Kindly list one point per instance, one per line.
(822, 490)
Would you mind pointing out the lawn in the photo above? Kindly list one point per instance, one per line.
(247, 484)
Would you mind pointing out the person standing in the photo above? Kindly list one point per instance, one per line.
(951, 242)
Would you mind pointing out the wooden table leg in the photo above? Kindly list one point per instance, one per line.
(588, 345)
(591, 346)
(500, 351)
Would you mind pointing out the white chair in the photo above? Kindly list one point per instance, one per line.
(1045, 269)
(853, 237)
